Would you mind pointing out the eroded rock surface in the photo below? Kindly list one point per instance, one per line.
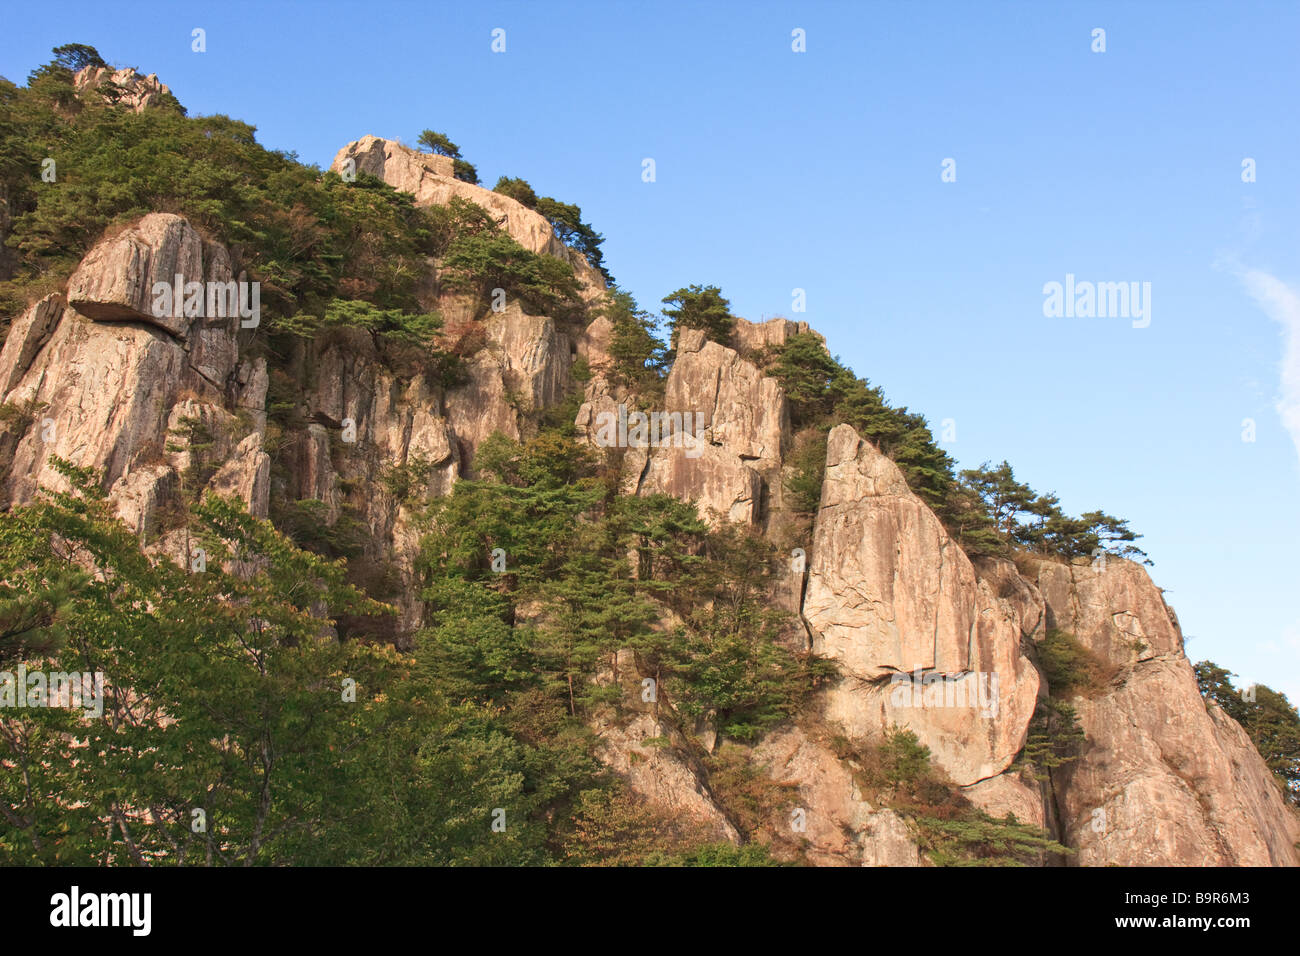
(739, 426)
(105, 384)
(1162, 779)
(161, 402)
(840, 828)
(124, 88)
(431, 180)
(890, 594)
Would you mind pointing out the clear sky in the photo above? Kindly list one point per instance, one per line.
(822, 170)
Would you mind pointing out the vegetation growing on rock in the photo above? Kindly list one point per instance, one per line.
(464, 635)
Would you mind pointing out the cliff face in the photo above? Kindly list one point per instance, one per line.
(1163, 777)
(431, 180)
(924, 638)
(100, 378)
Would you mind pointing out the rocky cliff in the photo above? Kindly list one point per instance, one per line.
(924, 638)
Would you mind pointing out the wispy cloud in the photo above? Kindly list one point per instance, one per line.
(1281, 302)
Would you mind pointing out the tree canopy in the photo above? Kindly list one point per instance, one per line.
(699, 307)
(1269, 719)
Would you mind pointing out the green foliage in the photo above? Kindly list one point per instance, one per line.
(516, 189)
(1266, 715)
(951, 832)
(34, 593)
(76, 56)
(810, 377)
(638, 355)
(406, 482)
(716, 854)
(434, 142)
(584, 577)
(305, 236)
(465, 171)
(459, 217)
(700, 307)
(807, 463)
(306, 522)
(904, 759)
(477, 263)
(1054, 739)
(473, 646)
(566, 220)
(732, 667)
(1004, 498)
(1022, 517)
(544, 504)
(394, 324)
(1070, 668)
(1215, 683)
(224, 694)
(192, 438)
(978, 839)
(435, 778)
(221, 693)
(299, 233)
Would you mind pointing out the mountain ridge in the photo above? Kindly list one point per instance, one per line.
(165, 408)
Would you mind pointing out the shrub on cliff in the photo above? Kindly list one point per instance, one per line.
(478, 263)
(516, 189)
(897, 771)
(1054, 738)
(438, 143)
(637, 354)
(1266, 715)
(1071, 668)
(565, 219)
(700, 307)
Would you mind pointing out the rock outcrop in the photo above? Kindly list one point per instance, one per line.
(1162, 778)
(922, 643)
(641, 752)
(431, 180)
(123, 88)
(115, 281)
(97, 379)
(524, 368)
(738, 424)
(929, 641)
(837, 826)
(750, 338)
(165, 403)
(652, 757)
(103, 378)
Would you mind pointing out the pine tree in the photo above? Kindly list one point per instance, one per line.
(700, 307)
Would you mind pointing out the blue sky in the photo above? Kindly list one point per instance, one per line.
(821, 170)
